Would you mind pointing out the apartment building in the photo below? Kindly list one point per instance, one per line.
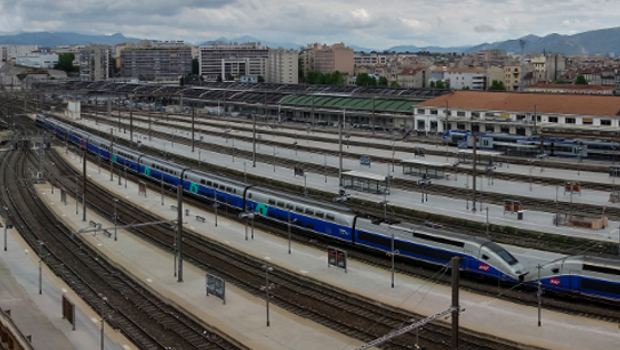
(414, 77)
(282, 66)
(370, 58)
(37, 60)
(156, 60)
(9, 53)
(513, 77)
(233, 62)
(466, 78)
(328, 59)
(96, 62)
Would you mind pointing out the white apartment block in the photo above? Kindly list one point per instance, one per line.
(37, 60)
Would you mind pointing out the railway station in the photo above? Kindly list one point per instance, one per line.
(195, 227)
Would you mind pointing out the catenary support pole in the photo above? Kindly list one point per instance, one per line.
(180, 232)
(455, 302)
(84, 176)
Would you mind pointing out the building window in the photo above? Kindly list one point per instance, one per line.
(587, 121)
(420, 111)
(460, 126)
(421, 124)
(475, 115)
(605, 122)
(460, 113)
(553, 119)
(505, 130)
(433, 111)
(569, 120)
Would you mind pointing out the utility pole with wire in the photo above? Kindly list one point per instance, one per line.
(84, 176)
(180, 232)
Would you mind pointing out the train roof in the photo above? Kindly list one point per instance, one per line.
(303, 200)
(217, 177)
(595, 260)
(441, 232)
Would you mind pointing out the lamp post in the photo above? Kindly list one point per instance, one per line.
(266, 288)
(115, 217)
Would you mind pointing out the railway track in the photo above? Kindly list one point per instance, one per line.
(409, 185)
(126, 305)
(431, 149)
(350, 314)
(508, 235)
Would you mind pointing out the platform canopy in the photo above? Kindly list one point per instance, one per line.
(365, 182)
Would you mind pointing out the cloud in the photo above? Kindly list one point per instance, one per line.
(369, 23)
(484, 28)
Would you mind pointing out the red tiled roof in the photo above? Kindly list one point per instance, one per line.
(525, 102)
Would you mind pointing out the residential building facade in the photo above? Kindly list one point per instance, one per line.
(328, 59)
(231, 62)
(96, 62)
(37, 60)
(466, 78)
(9, 53)
(282, 66)
(156, 61)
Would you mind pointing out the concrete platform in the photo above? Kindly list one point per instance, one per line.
(483, 313)
(293, 134)
(534, 220)
(40, 315)
(243, 316)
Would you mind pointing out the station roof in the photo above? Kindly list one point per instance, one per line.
(350, 103)
(526, 102)
(425, 163)
(364, 175)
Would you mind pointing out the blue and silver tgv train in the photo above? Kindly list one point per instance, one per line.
(591, 276)
(479, 256)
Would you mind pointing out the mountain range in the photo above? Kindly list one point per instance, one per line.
(50, 39)
(595, 42)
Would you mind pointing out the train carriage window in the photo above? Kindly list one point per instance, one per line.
(438, 239)
(249, 195)
(299, 209)
(485, 257)
(202, 181)
(309, 211)
(601, 269)
(209, 183)
(228, 189)
(330, 217)
(290, 206)
(280, 204)
(555, 270)
(271, 202)
(319, 214)
(602, 286)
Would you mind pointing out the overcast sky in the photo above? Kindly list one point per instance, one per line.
(375, 24)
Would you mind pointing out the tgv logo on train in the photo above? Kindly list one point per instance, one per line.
(591, 276)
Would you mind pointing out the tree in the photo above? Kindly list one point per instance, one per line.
(581, 80)
(440, 84)
(497, 86)
(365, 79)
(382, 81)
(394, 84)
(432, 84)
(260, 79)
(195, 67)
(65, 62)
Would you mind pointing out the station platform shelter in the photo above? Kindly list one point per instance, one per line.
(425, 169)
(365, 182)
